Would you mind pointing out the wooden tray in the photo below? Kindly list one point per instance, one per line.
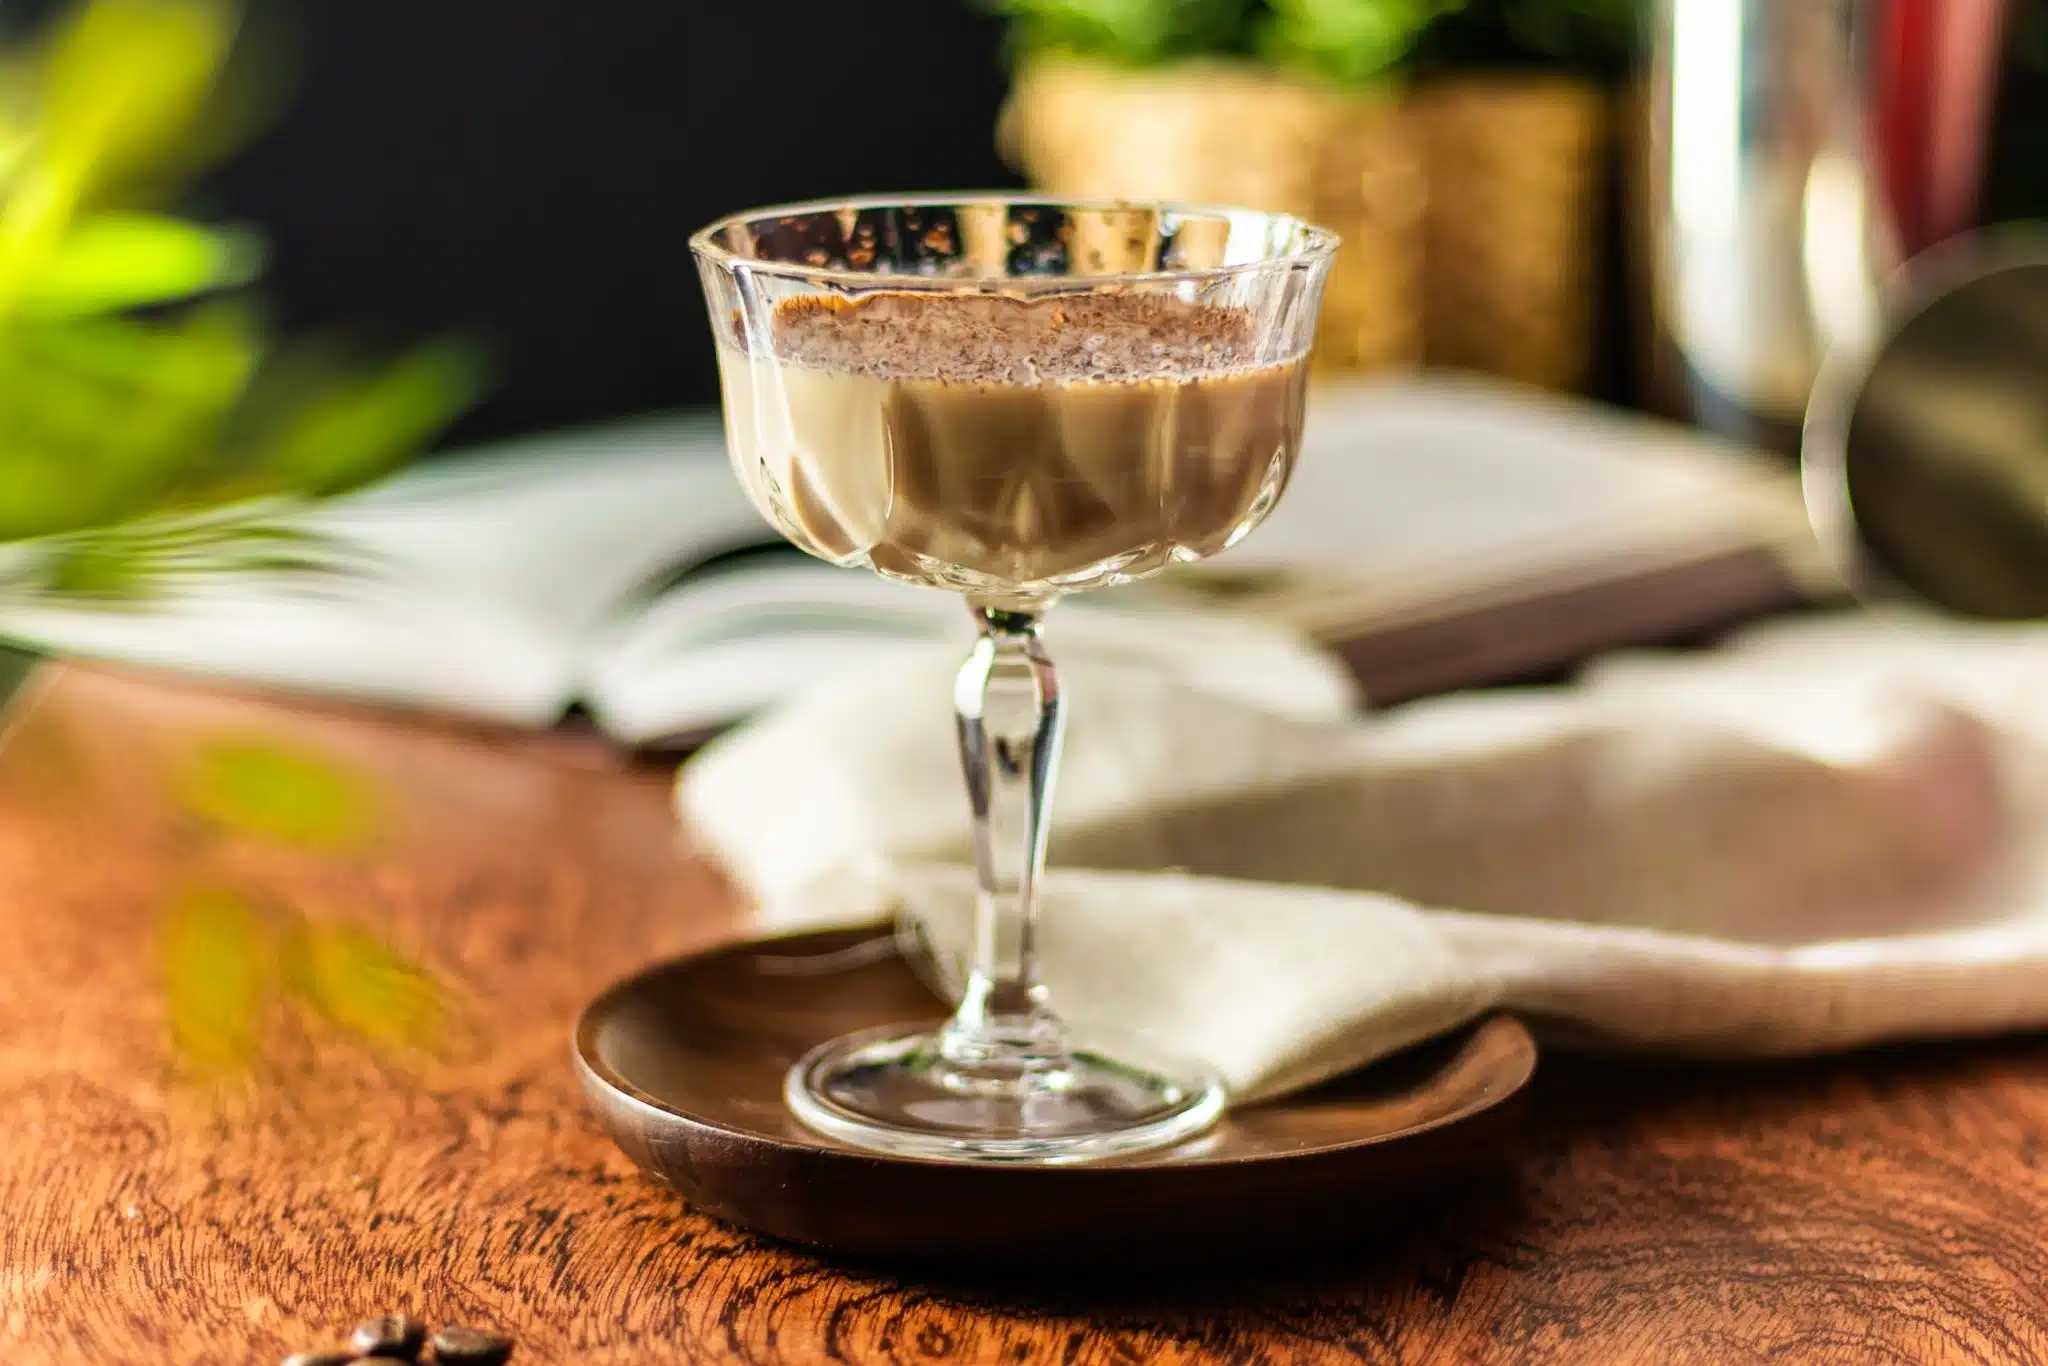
(684, 1063)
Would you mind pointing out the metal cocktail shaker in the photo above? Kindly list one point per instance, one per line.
(1799, 151)
(1925, 455)
(1815, 176)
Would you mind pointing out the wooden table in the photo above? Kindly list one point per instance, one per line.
(264, 1075)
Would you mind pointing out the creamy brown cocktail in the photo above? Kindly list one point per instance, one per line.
(1010, 447)
(1010, 398)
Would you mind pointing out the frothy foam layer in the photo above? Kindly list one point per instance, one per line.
(999, 339)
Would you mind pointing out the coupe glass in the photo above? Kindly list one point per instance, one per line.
(1013, 399)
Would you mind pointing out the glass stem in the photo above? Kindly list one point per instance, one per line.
(1010, 719)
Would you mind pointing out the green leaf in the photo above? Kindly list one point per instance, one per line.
(125, 82)
(113, 261)
(40, 495)
(1134, 32)
(351, 429)
(138, 561)
(203, 359)
(102, 419)
(121, 82)
(19, 98)
(216, 955)
(97, 572)
(256, 787)
(1352, 42)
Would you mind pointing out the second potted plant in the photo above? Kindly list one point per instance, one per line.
(1457, 145)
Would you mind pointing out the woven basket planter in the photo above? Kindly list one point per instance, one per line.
(1468, 210)
(1228, 134)
(1517, 170)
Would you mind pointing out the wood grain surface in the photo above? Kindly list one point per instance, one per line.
(172, 1190)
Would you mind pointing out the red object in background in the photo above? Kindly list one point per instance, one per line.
(1934, 72)
(1901, 36)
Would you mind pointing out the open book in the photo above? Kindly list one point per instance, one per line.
(623, 571)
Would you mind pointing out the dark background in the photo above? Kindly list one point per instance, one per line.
(529, 170)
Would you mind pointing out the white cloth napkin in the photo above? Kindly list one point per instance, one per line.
(1831, 832)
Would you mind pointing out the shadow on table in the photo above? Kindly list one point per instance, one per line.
(1610, 1144)
(1587, 1101)
(1389, 1233)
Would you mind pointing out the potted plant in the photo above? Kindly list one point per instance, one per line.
(1208, 100)
(1511, 100)
(1457, 145)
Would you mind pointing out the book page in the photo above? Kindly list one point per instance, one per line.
(491, 575)
(1409, 494)
(716, 649)
(1423, 489)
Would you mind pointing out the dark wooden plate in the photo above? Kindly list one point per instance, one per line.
(684, 1063)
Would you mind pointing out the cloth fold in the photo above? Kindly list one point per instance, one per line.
(1830, 832)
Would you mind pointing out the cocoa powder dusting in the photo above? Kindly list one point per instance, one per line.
(996, 339)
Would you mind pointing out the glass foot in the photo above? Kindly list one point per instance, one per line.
(896, 1090)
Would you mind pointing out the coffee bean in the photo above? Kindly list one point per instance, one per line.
(392, 1336)
(470, 1347)
(324, 1356)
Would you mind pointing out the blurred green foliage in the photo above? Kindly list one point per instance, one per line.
(1138, 32)
(150, 424)
(1347, 41)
